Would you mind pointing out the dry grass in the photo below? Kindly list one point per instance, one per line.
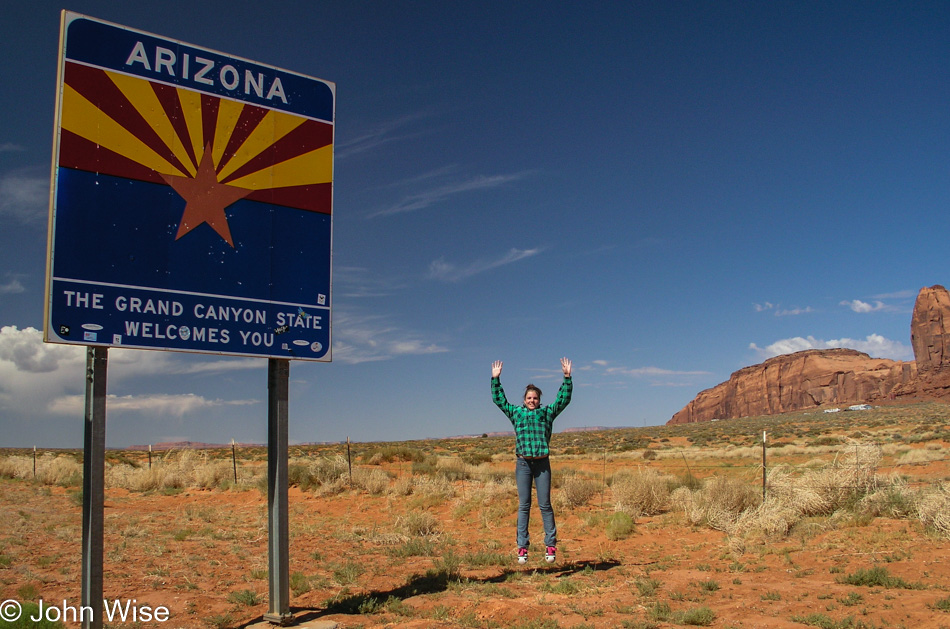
(576, 491)
(644, 492)
(813, 470)
(933, 508)
(51, 469)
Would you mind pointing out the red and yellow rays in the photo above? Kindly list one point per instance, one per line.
(211, 150)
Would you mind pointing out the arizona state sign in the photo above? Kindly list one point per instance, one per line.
(191, 205)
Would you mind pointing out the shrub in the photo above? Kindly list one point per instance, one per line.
(619, 526)
(942, 605)
(388, 454)
(244, 597)
(933, 509)
(877, 577)
(476, 458)
(647, 586)
(719, 503)
(699, 616)
(420, 524)
(374, 481)
(895, 501)
(645, 492)
(577, 491)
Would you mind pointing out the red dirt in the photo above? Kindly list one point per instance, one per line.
(189, 552)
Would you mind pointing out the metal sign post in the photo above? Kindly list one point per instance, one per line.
(278, 377)
(93, 485)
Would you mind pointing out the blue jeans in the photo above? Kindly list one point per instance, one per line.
(539, 472)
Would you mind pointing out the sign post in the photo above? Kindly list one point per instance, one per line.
(191, 210)
(93, 484)
(278, 555)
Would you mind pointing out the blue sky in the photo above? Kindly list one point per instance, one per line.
(664, 192)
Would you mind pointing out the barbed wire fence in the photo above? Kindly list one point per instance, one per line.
(693, 468)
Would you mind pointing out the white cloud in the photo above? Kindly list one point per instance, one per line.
(38, 378)
(444, 191)
(157, 404)
(26, 352)
(874, 345)
(859, 306)
(445, 271)
(24, 195)
(763, 307)
(370, 338)
(8, 147)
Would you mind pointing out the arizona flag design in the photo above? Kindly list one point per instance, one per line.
(192, 198)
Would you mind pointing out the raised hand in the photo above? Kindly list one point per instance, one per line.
(566, 367)
(496, 369)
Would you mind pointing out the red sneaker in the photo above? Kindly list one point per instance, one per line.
(522, 555)
(550, 554)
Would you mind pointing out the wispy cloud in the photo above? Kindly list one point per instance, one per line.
(901, 294)
(352, 281)
(12, 286)
(791, 312)
(9, 147)
(647, 372)
(874, 345)
(448, 272)
(602, 372)
(385, 133)
(782, 312)
(24, 195)
(371, 338)
(443, 191)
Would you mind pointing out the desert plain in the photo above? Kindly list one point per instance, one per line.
(661, 526)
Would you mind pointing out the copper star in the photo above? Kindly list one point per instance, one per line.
(205, 198)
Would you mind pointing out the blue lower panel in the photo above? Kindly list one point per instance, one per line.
(96, 314)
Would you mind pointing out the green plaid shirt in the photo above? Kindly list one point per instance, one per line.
(532, 428)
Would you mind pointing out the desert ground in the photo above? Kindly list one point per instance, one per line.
(658, 527)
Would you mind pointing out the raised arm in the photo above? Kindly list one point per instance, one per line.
(564, 393)
(498, 392)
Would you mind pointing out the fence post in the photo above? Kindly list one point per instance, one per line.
(763, 466)
(349, 461)
(233, 461)
(149, 456)
(34, 462)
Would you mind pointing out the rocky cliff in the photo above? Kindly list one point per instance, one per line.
(812, 378)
